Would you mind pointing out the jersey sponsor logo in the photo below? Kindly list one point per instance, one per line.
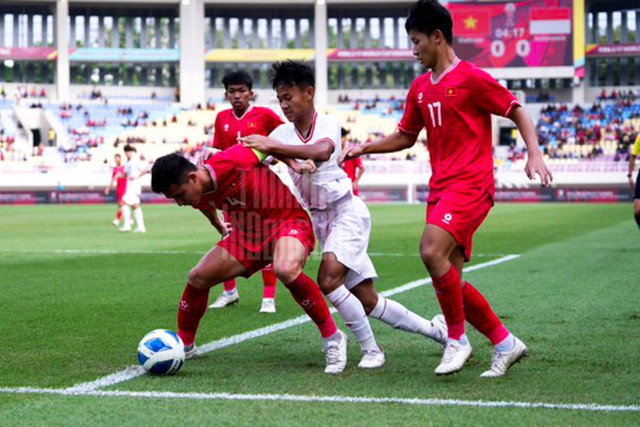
(420, 97)
(252, 125)
(226, 127)
(451, 91)
(293, 232)
(447, 218)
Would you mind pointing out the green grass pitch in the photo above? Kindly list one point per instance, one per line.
(76, 297)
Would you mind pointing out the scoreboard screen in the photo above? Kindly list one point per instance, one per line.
(529, 33)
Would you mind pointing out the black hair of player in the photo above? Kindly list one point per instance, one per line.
(292, 73)
(127, 148)
(169, 170)
(237, 78)
(427, 16)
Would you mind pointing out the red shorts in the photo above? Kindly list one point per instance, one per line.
(256, 252)
(460, 212)
(120, 193)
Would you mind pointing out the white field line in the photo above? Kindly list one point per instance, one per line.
(135, 371)
(329, 399)
(179, 252)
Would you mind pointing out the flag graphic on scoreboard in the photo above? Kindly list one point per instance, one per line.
(555, 20)
(471, 22)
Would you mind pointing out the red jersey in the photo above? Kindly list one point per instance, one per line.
(456, 111)
(254, 198)
(121, 183)
(350, 167)
(256, 120)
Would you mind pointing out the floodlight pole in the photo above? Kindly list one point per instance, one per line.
(322, 73)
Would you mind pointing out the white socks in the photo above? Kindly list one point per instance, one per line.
(126, 216)
(139, 218)
(397, 316)
(351, 310)
(507, 344)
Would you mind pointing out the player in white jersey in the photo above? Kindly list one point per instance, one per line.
(342, 222)
(134, 170)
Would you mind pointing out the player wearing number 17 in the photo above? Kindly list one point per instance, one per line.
(454, 102)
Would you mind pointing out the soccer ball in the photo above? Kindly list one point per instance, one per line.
(161, 352)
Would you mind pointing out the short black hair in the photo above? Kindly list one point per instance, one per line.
(237, 77)
(128, 148)
(292, 73)
(169, 170)
(426, 16)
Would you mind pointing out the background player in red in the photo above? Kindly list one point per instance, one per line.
(119, 179)
(267, 225)
(241, 120)
(352, 167)
(454, 101)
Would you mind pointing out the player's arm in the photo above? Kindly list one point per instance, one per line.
(319, 151)
(397, 141)
(535, 162)
(214, 219)
(360, 171)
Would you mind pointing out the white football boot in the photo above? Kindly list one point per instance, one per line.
(454, 357)
(441, 325)
(501, 362)
(226, 299)
(336, 354)
(190, 351)
(371, 359)
(268, 305)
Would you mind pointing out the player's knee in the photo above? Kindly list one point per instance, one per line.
(431, 255)
(287, 270)
(199, 280)
(328, 280)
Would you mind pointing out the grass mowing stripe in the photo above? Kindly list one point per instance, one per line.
(132, 372)
(332, 399)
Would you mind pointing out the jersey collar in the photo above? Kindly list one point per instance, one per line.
(313, 128)
(243, 114)
(450, 68)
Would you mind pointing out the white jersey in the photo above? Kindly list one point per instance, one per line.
(330, 183)
(133, 168)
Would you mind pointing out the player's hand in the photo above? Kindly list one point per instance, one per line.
(349, 153)
(306, 166)
(536, 166)
(257, 142)
(226, 229)
(107, 191)
(206, 155)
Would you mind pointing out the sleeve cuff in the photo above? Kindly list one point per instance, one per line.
(514, 103)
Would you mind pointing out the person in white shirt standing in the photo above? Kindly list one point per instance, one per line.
(342, 222)
(134, 170)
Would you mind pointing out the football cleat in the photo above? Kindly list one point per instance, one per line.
(140, 230)
(190, 351)
(268, 305)
(454, 357)
(115, 222)
(371, 359)
(336, 354)
(501, 362)
(226, 299)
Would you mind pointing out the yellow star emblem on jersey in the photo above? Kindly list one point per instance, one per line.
(470, 23)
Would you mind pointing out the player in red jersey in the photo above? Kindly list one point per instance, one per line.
(241, 120)
(119, 179)
(267, 225)
(454, 101)
(353, 167)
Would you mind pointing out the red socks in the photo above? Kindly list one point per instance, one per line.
(479, 314)
(191, 309)
(119, 214)
(270, 281)
(449, 293)
(307, 294)
(229, 285)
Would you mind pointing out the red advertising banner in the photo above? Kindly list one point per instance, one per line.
(527, 33)
(613, 50)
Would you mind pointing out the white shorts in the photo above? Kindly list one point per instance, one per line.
(132, 194)
(344, 230)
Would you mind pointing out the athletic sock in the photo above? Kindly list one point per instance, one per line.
(229, 286)
(137, 213)
(398, 316)
(638, 220)
(191, 309)
(307, 294)
(507, 344)
(479, 314)
(352, 311)
(269, 280)
(449, 293)
(126, 214)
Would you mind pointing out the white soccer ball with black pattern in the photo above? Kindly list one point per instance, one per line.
(161, 352)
